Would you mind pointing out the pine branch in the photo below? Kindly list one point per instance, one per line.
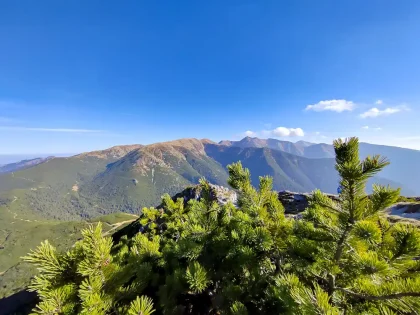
(341, 243)
(380, 297)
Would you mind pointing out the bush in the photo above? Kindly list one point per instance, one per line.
(204, 258)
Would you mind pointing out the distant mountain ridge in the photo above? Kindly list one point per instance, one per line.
(403, 168)
(300, 148)
(24, 164)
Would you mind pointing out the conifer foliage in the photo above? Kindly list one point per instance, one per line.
(200, 257)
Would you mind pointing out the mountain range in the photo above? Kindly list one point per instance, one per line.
(402, 170)
(54, 197)
(127, 178)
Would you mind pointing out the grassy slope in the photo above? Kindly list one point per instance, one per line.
(52, 187)
(142, 177)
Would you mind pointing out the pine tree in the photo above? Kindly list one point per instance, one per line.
(200, 257)
(88, 279)
(346, 257)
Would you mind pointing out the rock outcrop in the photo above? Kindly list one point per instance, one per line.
(220, 194)
(296, 202)
(405, 210)
(293, 202)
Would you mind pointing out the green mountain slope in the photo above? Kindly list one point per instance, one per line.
(142, 176)
(403, 168)
(404, 164)
(52, 188)
(290, 172)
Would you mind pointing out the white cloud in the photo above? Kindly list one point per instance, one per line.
(287, 132)
(379, 102)
(10, 128)
(249, 133)
(365, 127)
(375, 112)
(332, 105)
(378, 128)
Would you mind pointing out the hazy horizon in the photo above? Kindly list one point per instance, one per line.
(6, 158)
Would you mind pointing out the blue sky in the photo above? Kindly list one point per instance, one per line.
(84, 75)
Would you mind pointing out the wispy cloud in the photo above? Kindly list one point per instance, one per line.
(379, 102)
(371, 128)
(276, 133)
(332, 105)
(68, 130)
(376, 112)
